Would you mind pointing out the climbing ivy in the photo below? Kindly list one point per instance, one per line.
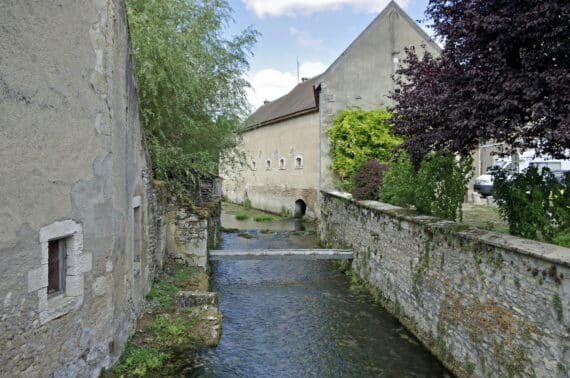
(357, 136)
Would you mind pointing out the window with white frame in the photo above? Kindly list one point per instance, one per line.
(58, 281)
(299, 162)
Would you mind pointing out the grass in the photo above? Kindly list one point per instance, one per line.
(164, 289)
(242, 216)
(484, 217)
(138, 361)
(263, 218)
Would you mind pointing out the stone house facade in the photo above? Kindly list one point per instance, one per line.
(80, 239)
(285, 147)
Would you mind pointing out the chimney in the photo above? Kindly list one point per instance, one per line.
(265, 102)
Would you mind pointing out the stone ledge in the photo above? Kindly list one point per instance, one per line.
(544, 251)
(196, 298)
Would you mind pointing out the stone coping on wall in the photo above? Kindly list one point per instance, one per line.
(544, 251)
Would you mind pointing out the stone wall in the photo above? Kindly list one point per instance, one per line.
(74, 169)
(486, 304)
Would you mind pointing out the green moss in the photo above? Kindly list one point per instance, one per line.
(469, 368)
(557, 303)
(168, 330)
(423, 265)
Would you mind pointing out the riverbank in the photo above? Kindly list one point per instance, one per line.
(169, 333)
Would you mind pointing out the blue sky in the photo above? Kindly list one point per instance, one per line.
(315, 32)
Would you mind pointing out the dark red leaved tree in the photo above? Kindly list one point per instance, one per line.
(504, 75)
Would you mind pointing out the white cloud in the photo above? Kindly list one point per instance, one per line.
(304, 38)
(263, 8)
(270, 84)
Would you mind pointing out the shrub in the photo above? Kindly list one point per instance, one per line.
(398, 185)
(441, 183)
(534, 204)
(242, 216)
(436, 189)
(263, 218)
(367, 180)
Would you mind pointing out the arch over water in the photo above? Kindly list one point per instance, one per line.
(300, 208)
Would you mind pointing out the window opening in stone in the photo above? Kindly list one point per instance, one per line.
(253, 164)
(282, 163)
(268, 164)
(298, 162)
(137, 240)
(56, 266)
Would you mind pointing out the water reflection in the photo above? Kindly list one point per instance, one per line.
(298, 318)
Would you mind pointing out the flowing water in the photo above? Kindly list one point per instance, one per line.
(299, 318)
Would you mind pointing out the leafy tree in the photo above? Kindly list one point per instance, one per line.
(503, 75)
(191, 82)
(357, 136)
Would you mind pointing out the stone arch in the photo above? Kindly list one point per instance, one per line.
(300, 208)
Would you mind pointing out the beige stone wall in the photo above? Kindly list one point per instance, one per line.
(487, 304)
(73, 166)
(275, 188)
(362, 75)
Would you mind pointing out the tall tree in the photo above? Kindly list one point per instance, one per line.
(191, 81)
(504, 75)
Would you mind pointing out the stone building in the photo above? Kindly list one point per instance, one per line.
(285, 147)
(79, 242)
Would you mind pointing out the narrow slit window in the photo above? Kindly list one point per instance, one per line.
(253, 165)
(282, 163)
(298, 162)
(268, 164)
(56, 266)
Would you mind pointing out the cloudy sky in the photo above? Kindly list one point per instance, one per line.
(314, 32)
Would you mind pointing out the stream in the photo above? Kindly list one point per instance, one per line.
(300, 318)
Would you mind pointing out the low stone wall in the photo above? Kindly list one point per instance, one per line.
(486, 304)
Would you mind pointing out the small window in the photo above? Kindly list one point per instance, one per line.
(298, 162)
(253, 165)
(268, 164)
(282, 163)
(56, 266)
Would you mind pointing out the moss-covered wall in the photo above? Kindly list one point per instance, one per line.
(486, 304)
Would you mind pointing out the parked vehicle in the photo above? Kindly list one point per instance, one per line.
(484, 183)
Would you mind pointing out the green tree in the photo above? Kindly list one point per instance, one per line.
(191, 82)
(357, 136)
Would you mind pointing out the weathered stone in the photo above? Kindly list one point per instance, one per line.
(497, 299)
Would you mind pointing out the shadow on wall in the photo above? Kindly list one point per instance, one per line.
(300, 208)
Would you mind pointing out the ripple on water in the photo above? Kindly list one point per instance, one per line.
(298, 318)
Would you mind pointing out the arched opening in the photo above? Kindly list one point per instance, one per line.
(300, 208)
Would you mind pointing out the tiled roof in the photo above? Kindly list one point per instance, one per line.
(302, 99)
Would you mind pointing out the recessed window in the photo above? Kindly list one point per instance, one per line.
(58, 281)
(299, 162)
(137, 234)
(282, 163)
(253, 165)
(267, 164)
(57, 265)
